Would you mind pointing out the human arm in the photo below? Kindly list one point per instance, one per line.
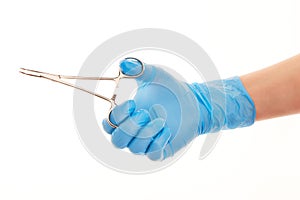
(166, 114)
(275, 90)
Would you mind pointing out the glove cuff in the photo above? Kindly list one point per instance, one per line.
(224, 104)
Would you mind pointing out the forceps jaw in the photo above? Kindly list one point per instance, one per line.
(59, 79)
(40, 74)
(36, 73)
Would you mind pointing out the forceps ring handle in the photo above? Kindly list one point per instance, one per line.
(122, 75)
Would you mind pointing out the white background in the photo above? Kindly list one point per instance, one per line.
(41, 156)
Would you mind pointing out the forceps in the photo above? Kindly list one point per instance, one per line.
(59, 79)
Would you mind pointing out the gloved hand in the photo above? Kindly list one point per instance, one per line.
(166, 114)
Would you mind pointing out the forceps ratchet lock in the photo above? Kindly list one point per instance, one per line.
(59, 79)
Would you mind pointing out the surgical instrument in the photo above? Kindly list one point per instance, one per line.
(59, 79)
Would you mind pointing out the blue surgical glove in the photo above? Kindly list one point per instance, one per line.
(166, 114)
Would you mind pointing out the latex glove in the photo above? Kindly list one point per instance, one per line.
(166, 114)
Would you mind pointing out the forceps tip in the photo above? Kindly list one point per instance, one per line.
(21, 70)
(28, 72)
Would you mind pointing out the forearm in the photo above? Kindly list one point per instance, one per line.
(275, 90)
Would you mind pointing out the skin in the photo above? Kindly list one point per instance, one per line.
(275, 90)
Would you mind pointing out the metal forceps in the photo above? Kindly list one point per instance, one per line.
(59, 79)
